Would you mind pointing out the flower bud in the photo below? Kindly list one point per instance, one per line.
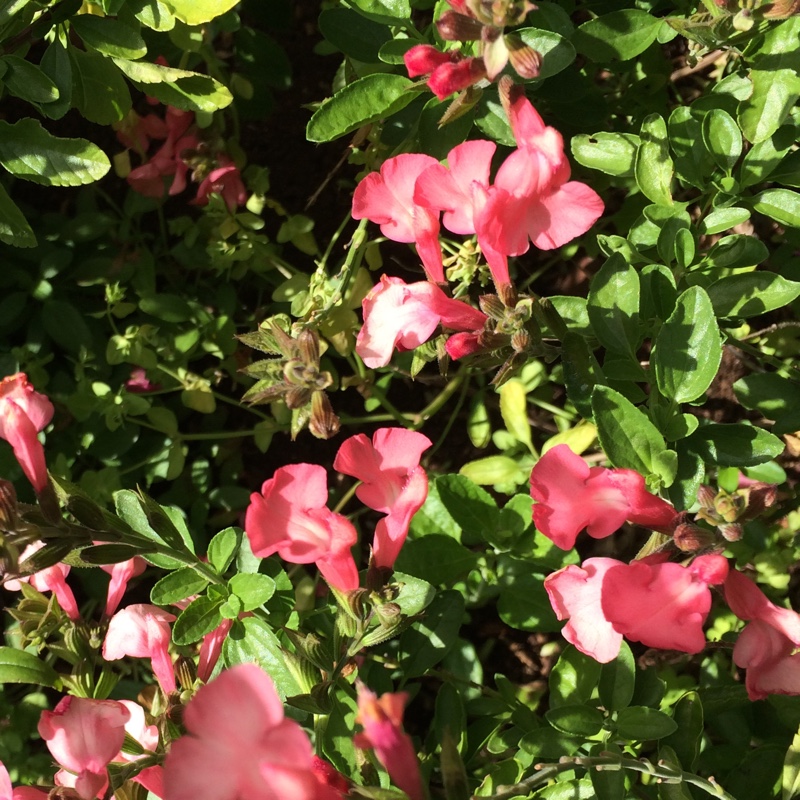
(508, 294)
(729, 506)
(760, 496)
(308, 346)
(782, 9)
(390, 614)
(323, 422)
(524, 59)
(520, 341)
(743, 20)
(705, 496)
(495, 52)
(297, 397)
(732, 532)
(691, 538)
(453, 26)
(185, 672)
(492, 306)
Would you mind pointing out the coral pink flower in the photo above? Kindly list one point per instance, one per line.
(748, 602)
(211, 649)
(290, 517)
(571, 496)
(330, 777)
(139, 383)
(387, 198)
(662, 605)
(136, 132)
(21, 792)
(575, 594)
(142, 631)
(447, 72)
(403, 316)
(152, 778)
(23, 413)
(240, 746)
(83, 736)
(770, 658)
(393, 482)
(382, 720)
(532, 197)
(226, 181)
(121, 574)
(52, 579)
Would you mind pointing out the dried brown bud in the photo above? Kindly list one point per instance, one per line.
(524, 59)
(732, 532)
(508, 294)
(782, 9)
(759, 497)
(455, 27)
(323, 422)
(308, 346)
(297, 397)
(520, 341)
(185, 672)
(705, 496)
(492, 306)
(692, 538)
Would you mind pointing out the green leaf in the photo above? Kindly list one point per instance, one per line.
(27, 81)
(167, 307)
(252, 639)
(523, 603)
(557, 52)
(608, 784)
(353, 34)
(66, 326)
(437, 559)
(763, 159)
(28, 151)
(734, 445)
(722, 138)
(223, 547)
(723, 219)
(470, 506)
(19, 666)
(366, 100)
(782, 205)
(735, 251)
(177, 585)
(751, 293)
(573, 678)
(790, 777)
(613, 305)
(109, 553)
(109, 36)
(618, 680)
(619, 35)
(581, 372)
(428, 640)
(626, 434)
(415, 594)
(653, 168)
(253, 590)
(612, 153)
(772, 395)
(574, 789)
(693, 163)
(14, 228)
(686, 741)
(57, 66)
(153, 13)
(98, 90)
(514, 410)
(688, 350)
(642, 723)
(196, 620)
(493, 470)
(196, 12)
(388, 11)
(576, 720)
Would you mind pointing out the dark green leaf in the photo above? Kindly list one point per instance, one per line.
(353, 34)
(581, 372)
(774, 396)
(388, 11)
(618, 680)
(437, 559)
(196, 620)
(576, 720)
(619, 35)
(19, 666)
(613, 305)
(223, 547)
(612, 153)
(523, 603)
(177, 585)
(28, 81)
(366, 100)
(573, 678)
(470, 506)
(57, 66)
(642, 723)
(109, 36)
(688, 715)
(109, 553)
(751, 293)
(14, 228)
(253, 590)
(722, 138)
(654, 167)
(723, 219)
(557, 52)
(99, 91)
(734, 445)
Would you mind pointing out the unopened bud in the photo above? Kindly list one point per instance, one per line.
(729, 506)
(524, 59)
(8, 506)
(520, 341)
(782, 9)
(455, 27)
(692, 538)
(323, 422)
(308, 345)
(297, 397)
(492, 306)
(732, 532)
(390, 614)
(759, 497)
(706, 496)
(185, 672)
(508, 294)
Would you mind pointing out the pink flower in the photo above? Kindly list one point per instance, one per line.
(139, 383)
(136, 132)
(51, 579)
(21, 792)
(661, 605)
(83, 736)
(767, 644)
(387, 198)
(328, 776)
(240, 746)
(142, 631)
(393, 482)
(152, 778)
(23, 413)
(403, 316)
(226, 181)
(382, 721)
(571, 496)
(290, 517)
(532, 197)
(121, 574)
(211, 649)
(448, 72)
(576, 594)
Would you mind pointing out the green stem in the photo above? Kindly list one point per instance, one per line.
(452, 418)
(440, 400)
(662, 772)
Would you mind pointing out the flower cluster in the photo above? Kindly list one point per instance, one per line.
(656, 600)
(183, 156)
(290, 515)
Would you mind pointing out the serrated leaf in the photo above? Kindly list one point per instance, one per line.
(19, 666)
(688, 350)
(109, 36)
(365, 100)
(626, 434)
(28, 151)
(196, 620)
(176, 586)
